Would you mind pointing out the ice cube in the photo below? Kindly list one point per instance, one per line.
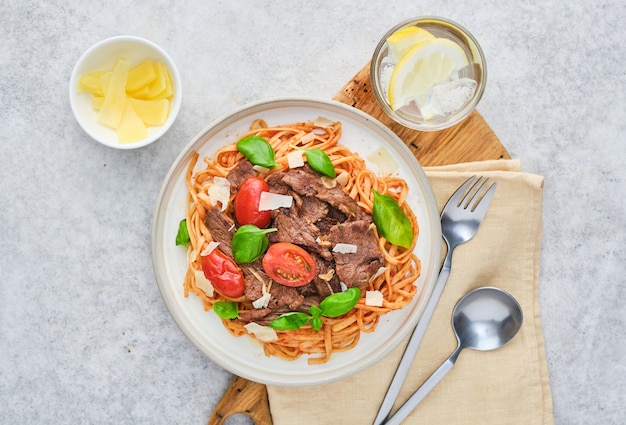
(386, 69)
(448, 98)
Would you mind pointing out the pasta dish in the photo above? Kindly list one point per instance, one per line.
(291, 240)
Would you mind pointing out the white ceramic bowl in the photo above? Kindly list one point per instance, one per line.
(360, 133)
(103, 56)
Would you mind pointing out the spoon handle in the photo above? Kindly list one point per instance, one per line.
(411, 349)
(406, 409)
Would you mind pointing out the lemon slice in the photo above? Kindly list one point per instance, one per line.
(404, 39)
(424, 66)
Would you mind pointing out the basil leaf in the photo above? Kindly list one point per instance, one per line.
(316, 323)
(226, 309)
(182, 237)
(289, 321)
(315, 311)
(332, 306)
(249, 243)
(340, 303)
(258, 151)
(391, 221)
(320, 162)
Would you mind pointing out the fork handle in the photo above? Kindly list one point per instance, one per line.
(411, 349)
(419, 395)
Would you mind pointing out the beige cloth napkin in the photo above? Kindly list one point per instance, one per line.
(506, 386)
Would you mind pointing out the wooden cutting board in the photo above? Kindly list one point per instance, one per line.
(470, 140)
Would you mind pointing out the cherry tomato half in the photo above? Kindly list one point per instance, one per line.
(223, 273)
(247, 203)
(289, 264)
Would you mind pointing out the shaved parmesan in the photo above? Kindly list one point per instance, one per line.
(345, 248)
(379, 272)
(262, 302)
(323, 122)
(260, 169)
(209, 248)
(343, 178)
(383, 160)
(203, 283)
(374, 298)
(264, 333)
(294, 159)
(343, 287)
(327, 276)
(220, 192)
(272, 201)
(329, 182)
(308, 137)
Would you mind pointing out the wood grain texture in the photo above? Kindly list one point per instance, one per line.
(245, 397)
(470, 140)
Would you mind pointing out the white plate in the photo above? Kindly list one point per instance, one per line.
(360, 133)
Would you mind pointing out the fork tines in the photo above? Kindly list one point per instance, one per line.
(476, 190)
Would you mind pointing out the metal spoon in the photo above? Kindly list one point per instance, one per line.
(484, 319)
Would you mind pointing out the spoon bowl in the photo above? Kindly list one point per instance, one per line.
(483, 320)
(486, 319)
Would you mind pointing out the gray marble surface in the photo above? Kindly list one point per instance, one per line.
(84, 334)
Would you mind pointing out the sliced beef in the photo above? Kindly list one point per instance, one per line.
(334, 216)
(237, 175)
(308, 302)
(255, 276)
(263, 316)
(307, 182)
(298, 224)
(274, 181)
(356, 269)
(282, 296)
(284, 299)
(222, 229)
(318, 219)
(312, 210)
(285, 296)
(292, 228)
(307, 290)
(254, 315)
(326, 282)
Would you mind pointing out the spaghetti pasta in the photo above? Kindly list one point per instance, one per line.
(402, 267)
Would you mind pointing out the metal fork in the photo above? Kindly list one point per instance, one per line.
(460, 219)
